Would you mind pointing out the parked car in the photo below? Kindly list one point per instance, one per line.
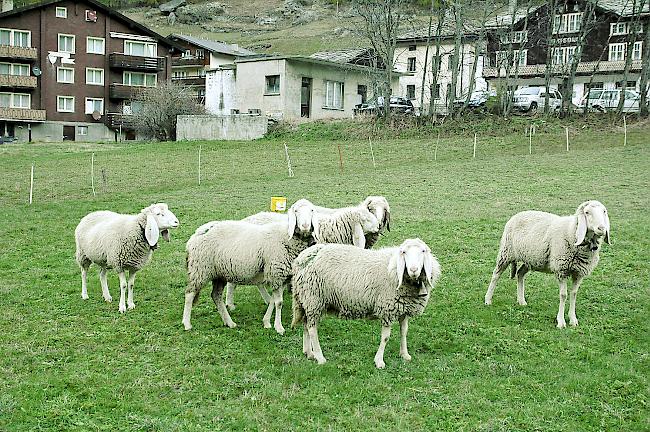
(396, 104)
(477, 100)
(532, 99)
(607, 100)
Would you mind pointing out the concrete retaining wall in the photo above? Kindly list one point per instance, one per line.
(241, 127)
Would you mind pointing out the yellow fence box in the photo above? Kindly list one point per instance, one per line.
(278, 204)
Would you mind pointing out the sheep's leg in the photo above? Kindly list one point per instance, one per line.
(560, 313)
(84, 280)
(521, 274)
(379, 357)
(187, 310)
(315, 344)
(266, 319)
(306, 342)
(123, 284)
(277, 301)
(496, 274)
(403, 330)
(129, 300)
(217, 291)
(264, 293)
(572, 301)
(230, 295)
(104, 282)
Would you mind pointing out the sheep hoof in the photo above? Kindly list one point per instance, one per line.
(108, 299)
(231, 324)
(488, 301)
(321, 360)
(266, 324)
(122, 308)
(380, 364)
(187, 326)
(561, 324)
(279, 329)
(131, 305)
(573, 322)
(310, 356)
(231, 307)
(522, 303)
(406, 356)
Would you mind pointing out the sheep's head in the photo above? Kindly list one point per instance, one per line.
(301, 218)
(592, 225)
(413, 260)
(378, 205)
(163, 218)
(369, 222)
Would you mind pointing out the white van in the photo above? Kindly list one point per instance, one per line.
(607, 100)
(533, 98)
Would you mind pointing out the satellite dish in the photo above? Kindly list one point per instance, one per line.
(36, 71)
(96, 115)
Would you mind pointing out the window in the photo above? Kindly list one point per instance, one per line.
(412, 47)
(61, 12)
(179, 74)
(94, 76)
(637, 51)
(272, 84)
(623, 28)
(82, 130)
(142, 49)
(95, 45)
(436, 92)
(200, 53)
(515, 37)
(410, 91)
(14, 69)
(94, 104)
(66, 43)
(65, 75)
(450, 60)
(563, 55)
(139, 79)
(187, 53)
(410, 67)
(362, 90)
(65, 104)
(518, 58)
(21, 38)
(617, 51)
(15, 100)
(628, 84)
(334, 94)
(567, 23)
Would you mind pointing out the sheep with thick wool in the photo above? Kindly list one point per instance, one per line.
(121, 242)
(389, 284)
(243, 253)
(567, 246)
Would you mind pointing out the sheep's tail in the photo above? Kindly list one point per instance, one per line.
(513, 270)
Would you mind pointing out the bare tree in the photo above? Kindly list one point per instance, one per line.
(645, 71)
(456, 10)
(633, 31)
(159, 108)
(550, 51)
(441, 10)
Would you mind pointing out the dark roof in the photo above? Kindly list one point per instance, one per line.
(100, 6)
(214, 46)
(624, 8)
(312, 60)
(504, 17)
(341, 56)
(447, 31)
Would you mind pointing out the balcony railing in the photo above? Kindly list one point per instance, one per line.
(22, 114)
(119, 120)
(190, 80)
(16, 52)
(124, 61)
(17, 81)
(188, 61)
(121, 91)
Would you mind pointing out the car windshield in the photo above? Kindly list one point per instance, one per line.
(595, 94)
(528, 91)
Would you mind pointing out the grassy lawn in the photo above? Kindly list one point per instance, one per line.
(68, 364)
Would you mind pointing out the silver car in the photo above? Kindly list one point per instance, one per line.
(532, 99)
(607, 100)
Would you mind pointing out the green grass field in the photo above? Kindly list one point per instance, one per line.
(68, 364)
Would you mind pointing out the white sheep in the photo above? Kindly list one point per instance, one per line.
(121, 242)
(562, 245)
(390, 284)
(299, 217)
(243, 253)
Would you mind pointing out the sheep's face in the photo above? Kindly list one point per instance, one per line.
(164, 218)
(301, 218)
(369, 222)
(414, 261)
(378, 206)
(593, 221)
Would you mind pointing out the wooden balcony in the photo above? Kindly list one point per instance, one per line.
(124, 61)
(22, 114)
(188, 61)
(119, 121)
(18, 81)
(15, 52)
(190, 81)
(121, 91)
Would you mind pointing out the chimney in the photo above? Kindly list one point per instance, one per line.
(512, 7)
(7, 5)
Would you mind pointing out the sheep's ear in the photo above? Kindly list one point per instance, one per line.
(358, 237)
(151, 231)
(607, 239)
(431, 268)
(581, 229)
(292, 222)
(387, 219)
(314, 223)
(396, 267)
